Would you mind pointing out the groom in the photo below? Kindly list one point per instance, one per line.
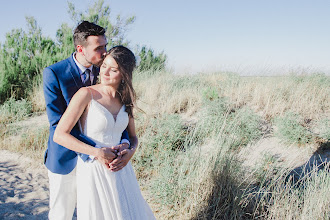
(60, 82)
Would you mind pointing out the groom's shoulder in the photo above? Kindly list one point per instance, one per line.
(60, 65)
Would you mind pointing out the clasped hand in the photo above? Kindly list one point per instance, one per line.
(116, 157)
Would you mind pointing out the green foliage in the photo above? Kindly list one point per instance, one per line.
(14, 110)
(101, 14)
(64, 40)
(324, 128)
(237, 127)
(290, 130)
(245, 127)
(211, 94)
(266, 168)
(319, 79)
(160, 137)
(150, 60)
(23, 56)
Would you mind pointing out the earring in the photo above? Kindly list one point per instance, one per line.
(122, 81)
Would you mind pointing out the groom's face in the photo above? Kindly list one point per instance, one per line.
(95, 49)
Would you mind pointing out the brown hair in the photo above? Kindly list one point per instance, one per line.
(84, 30)
(126, 63)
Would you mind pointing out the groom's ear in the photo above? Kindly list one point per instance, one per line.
(79, 48)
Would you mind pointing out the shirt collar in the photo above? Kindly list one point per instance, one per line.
(81, 68)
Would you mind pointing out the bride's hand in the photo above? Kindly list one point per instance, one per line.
(105, 156)
(122, 160)
(120, 147)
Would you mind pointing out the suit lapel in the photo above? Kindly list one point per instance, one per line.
(73, 68)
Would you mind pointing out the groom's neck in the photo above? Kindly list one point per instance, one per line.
(82, 60)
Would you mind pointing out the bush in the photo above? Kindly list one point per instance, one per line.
(290, 130)
(245, 127)
(14, 110)
(159, 139)
(24, 55)
(150, 61)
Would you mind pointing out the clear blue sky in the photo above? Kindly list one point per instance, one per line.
(239, 35)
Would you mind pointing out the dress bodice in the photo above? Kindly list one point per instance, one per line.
(102, 127)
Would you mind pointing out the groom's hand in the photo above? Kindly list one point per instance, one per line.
(106, 155)
(122, 160)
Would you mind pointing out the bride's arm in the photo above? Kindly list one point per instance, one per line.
(62, 135)
(125, 155)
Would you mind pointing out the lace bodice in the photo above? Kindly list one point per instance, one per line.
(102, 127)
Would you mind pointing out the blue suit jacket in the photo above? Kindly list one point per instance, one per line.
(60, 82)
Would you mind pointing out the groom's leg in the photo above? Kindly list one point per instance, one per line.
(62, 195)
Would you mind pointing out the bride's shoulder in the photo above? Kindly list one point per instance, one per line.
(84, 92)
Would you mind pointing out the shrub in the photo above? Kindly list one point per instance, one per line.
(290, 130)
(245, 127)
(324, 128)
(150, 61)
(13, 110)
(24, 55)
(159, 139)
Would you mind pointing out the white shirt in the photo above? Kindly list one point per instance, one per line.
(82, 68)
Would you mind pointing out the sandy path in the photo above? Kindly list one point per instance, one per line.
(24, 188)
(24, 192)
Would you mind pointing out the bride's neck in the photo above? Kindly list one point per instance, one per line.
(109, 91)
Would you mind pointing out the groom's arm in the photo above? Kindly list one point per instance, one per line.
(56, 106)
(125, 138)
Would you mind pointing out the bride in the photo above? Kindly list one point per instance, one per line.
(104, 111)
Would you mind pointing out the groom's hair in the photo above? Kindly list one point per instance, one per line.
(84, 30)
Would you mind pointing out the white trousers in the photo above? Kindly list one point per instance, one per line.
(62, 195)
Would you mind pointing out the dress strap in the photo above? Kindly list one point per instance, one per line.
(90, 91)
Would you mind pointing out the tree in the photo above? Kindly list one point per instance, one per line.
(23, 56)
(64, 39)
(101, 14)
(150, 61)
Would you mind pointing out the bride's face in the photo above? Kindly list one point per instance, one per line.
(109, 72)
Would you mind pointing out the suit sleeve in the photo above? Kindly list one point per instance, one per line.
(124, 137)
(56, 105)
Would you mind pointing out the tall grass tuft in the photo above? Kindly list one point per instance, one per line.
(14, 110)
(283, 197)
(36, 96)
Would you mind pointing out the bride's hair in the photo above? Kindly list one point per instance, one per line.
(126, 62)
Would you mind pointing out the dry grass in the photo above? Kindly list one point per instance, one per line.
(273, 96)
(37, 97)
(191, 131)
(269, 96)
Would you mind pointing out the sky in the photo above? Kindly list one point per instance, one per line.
(251, 37)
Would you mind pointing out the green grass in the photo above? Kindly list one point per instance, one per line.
(291, 130)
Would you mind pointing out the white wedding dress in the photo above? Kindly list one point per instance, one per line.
(102, 194)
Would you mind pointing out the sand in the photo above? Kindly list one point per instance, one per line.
(24, 188)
